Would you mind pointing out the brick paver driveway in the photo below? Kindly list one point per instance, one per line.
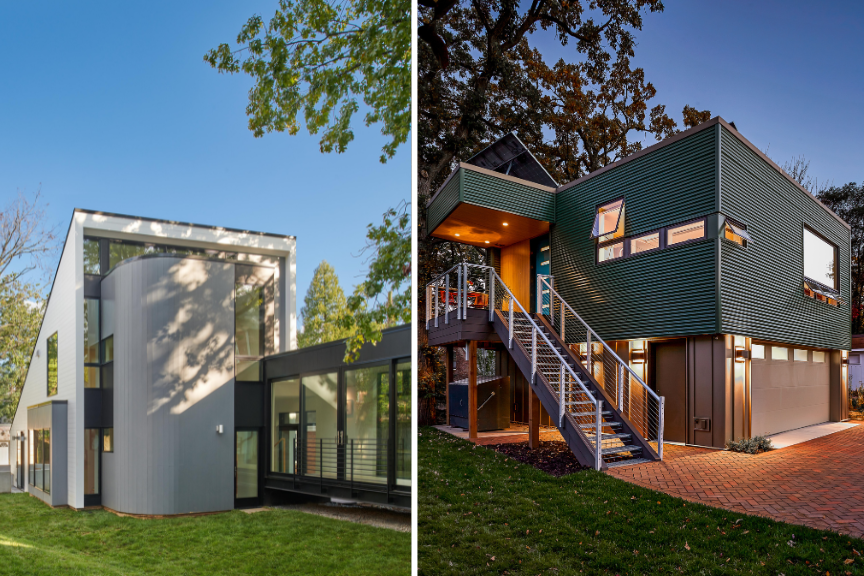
(819, 483)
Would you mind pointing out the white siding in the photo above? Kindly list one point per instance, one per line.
(61, 316)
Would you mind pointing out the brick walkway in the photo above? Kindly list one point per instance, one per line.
(819, 483)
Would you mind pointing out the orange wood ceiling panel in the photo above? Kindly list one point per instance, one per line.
(484, 227)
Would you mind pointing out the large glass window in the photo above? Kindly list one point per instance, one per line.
(367, 418)
(249, 320)
(39, 457)
(40, 460)
(91, 343)
(403, 423)
(119, 251)
(31, 462)
(820, 259)
(246, 459)
(91, 256)
(684, 233)
(319, 424)
(285, 408)
(91, 460)
(609, 221)
(52, 364)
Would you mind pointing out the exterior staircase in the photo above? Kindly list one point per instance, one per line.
(559, 360)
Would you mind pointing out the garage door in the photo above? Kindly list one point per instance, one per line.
(789, 388)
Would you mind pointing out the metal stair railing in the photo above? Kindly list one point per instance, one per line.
(633, 398)
(574, 398)
(443, 294)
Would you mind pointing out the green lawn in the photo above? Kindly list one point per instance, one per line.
(34, 539)
(482, 513)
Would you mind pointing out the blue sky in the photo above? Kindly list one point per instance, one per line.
(110, 106)
(789, 74)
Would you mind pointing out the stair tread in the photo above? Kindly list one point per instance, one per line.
(617, 449)
(612, 436)
(628, 462)
(592, 413)
(610, 424)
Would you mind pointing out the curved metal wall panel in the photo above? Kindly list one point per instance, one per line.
(173, 385)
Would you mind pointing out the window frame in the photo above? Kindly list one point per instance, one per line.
(609, 236)
(667, 229)
(731, 224)
(662, 237)
(48, 364)
(804, 229)
(98, 364)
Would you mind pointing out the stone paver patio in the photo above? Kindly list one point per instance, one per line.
(818, 483)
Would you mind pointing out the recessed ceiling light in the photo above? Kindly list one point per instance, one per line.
(456, 234)
(487, 241)
(505, 224)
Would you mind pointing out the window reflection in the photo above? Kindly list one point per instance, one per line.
(319, 425)
(91, 257)
(368, 422)
(403, 423)
(91, 343)
(52, 364)
(91, 461)
(249, 320)
(819, 259)
(285, 420)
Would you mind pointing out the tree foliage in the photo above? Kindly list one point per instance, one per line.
(21, 309)
(317, 58)
(847, 202)
(383, 299)
(323, 308)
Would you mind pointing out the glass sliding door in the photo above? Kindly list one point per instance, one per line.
(285, 425)
(367, 423)
(246, 468)
(320, 425)
(403, 423)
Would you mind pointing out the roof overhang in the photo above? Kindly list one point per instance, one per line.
(487, 228)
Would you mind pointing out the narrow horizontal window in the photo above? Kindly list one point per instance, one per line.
(610, 252)
(818, 356)
(779, 353)
(645, 243)
(692, 231)
(736, 233)
(800, 355)
(757, 352)
(609, 221)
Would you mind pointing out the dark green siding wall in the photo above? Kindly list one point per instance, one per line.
(761, 286)
(506, 195)
(444, 203)
(665, 293)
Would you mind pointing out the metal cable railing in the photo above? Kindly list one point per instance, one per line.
(632, 397)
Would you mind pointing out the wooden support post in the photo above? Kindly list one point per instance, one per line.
(472, 389)
(448, 377)
(533, 419)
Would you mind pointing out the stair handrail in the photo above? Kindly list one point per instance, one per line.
(661, 401)
(606, 348)
(493, 274)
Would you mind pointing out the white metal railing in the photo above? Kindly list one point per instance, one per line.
(632, 397)
(481, 287)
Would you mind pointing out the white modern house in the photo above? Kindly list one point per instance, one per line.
(150, 327)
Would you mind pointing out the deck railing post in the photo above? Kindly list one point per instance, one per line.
(428, 304)
(563, 323)
(539, 294)
(561, 397)
(447, 300)
(491, 293)
(660, 428)
(551, 302)
(588, 354)
(459, 293)
(510, 328)
(465, 293)
(621, 387)
(598, 438)
(533, 354)
(436, 303)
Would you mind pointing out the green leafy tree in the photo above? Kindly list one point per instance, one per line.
(318, 58)
(323, 309)
(383, 299)
(21, 309)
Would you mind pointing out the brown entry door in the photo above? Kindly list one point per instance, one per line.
(670, 380)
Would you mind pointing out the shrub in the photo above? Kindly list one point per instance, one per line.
(753, 445)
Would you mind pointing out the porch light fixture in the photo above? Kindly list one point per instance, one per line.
(457, 234)
(505, 224)
(844, 360)
(637, 356)
(219, 429)
(741, 354)
(486, 241)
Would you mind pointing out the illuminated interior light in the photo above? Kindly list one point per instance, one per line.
(457, 234)
(486, 241)
(505, 224)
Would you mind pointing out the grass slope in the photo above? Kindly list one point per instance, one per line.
(484, 513)
(34, 539)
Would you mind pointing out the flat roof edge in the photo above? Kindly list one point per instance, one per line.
(177, 223)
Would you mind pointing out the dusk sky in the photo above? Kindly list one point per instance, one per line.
(110, 106)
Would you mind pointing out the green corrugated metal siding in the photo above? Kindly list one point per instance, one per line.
(761, 286)
(508, 196)
(665, 293)
(444, 203)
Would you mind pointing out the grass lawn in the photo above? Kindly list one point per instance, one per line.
(34, 539)
(484, 513)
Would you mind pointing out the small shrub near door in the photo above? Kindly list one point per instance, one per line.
(755, 445)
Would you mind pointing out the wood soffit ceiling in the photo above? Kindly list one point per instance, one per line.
(484, 227)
